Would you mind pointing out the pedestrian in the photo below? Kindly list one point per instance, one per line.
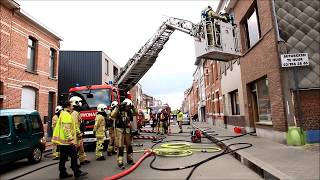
(124, 117)
(100, 131)
(55, 147)
(110, 124)
(65, 136)
(76, 103)
(179, 120)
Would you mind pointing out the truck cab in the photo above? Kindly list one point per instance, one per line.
(92, 96)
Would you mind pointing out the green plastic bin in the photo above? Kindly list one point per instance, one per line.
(296, 136)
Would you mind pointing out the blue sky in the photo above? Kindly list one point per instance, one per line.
(120, 28)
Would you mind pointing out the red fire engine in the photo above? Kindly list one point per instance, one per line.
(92, 96)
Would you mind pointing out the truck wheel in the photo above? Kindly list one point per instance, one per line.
(36, 155)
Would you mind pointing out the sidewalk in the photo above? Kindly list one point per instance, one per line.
(270, 159)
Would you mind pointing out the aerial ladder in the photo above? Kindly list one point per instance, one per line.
(214, 40)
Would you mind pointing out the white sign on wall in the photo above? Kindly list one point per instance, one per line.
(292, 60)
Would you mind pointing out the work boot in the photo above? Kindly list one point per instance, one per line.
(130, 161)
(101, 158)
(80, 174)
(84, 162)
(56, 158)
(109, 153)
(65, 175)
(121, 165)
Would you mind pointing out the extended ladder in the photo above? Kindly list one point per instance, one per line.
(143, 60)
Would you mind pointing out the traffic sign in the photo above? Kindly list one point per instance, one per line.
(292, 60)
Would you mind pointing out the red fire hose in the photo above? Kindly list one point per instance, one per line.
(147, 153)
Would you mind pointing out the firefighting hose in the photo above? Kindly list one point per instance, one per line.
(181, 150)
(170, 149)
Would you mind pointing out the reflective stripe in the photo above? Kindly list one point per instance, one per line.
(59, 141)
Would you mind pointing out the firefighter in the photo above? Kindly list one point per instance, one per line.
(100, 131)
(159, 124)
(76, 103)
(179, 120)
(163, 122)
(65, 136)
(124, 117)
(111, 129)
(55, 148)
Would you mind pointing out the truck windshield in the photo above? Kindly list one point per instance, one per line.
(99, 96)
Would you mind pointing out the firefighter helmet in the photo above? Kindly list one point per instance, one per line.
(102, 108)
(75, 101)
(58, 109)
(127, 102)
(114, 104)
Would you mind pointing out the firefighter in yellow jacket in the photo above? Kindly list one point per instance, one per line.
(76, 102)
(124, 117)
(65, 136)
(100, 131)
(55, 148)
(110, 124)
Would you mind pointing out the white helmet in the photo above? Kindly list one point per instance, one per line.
(75, 101)
(114, 104)
(58, 109)
(159, 111)
(127, 102)
(102, 108)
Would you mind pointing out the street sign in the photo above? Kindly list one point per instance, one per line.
(292, 60)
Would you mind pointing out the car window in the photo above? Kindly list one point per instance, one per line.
(4, 126)
(20, 125)
(36, 124)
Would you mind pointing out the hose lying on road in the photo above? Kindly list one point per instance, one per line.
(227, 150)
(132, 168)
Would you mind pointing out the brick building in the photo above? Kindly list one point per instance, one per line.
(213, 92)
(266, 98)
(28, 61)
(255, 91)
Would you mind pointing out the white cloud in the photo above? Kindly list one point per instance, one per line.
(120, 28)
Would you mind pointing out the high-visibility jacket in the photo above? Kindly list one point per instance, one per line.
(65, 131)
(77, 120)
(99, 126)
(180, 116)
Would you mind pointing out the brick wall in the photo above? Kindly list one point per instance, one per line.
(261, 60)
(15, 31)
(310, 107)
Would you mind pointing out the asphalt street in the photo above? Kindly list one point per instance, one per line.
(224, 167)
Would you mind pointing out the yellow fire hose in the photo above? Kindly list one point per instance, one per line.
(181, 149)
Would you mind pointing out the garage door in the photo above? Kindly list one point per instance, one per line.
(28, 98)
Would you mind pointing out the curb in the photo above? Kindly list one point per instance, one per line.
(264, 170)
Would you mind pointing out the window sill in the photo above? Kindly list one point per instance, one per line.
(266, 123)
(53, 78)
(32, 72)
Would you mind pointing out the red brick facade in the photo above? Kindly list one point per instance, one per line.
(310, 107)
(16, 28)
(212, 78)
(261, 60)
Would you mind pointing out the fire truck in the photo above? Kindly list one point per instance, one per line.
(92, 96)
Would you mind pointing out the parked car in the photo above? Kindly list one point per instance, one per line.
(186, 119)
(21, 135)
